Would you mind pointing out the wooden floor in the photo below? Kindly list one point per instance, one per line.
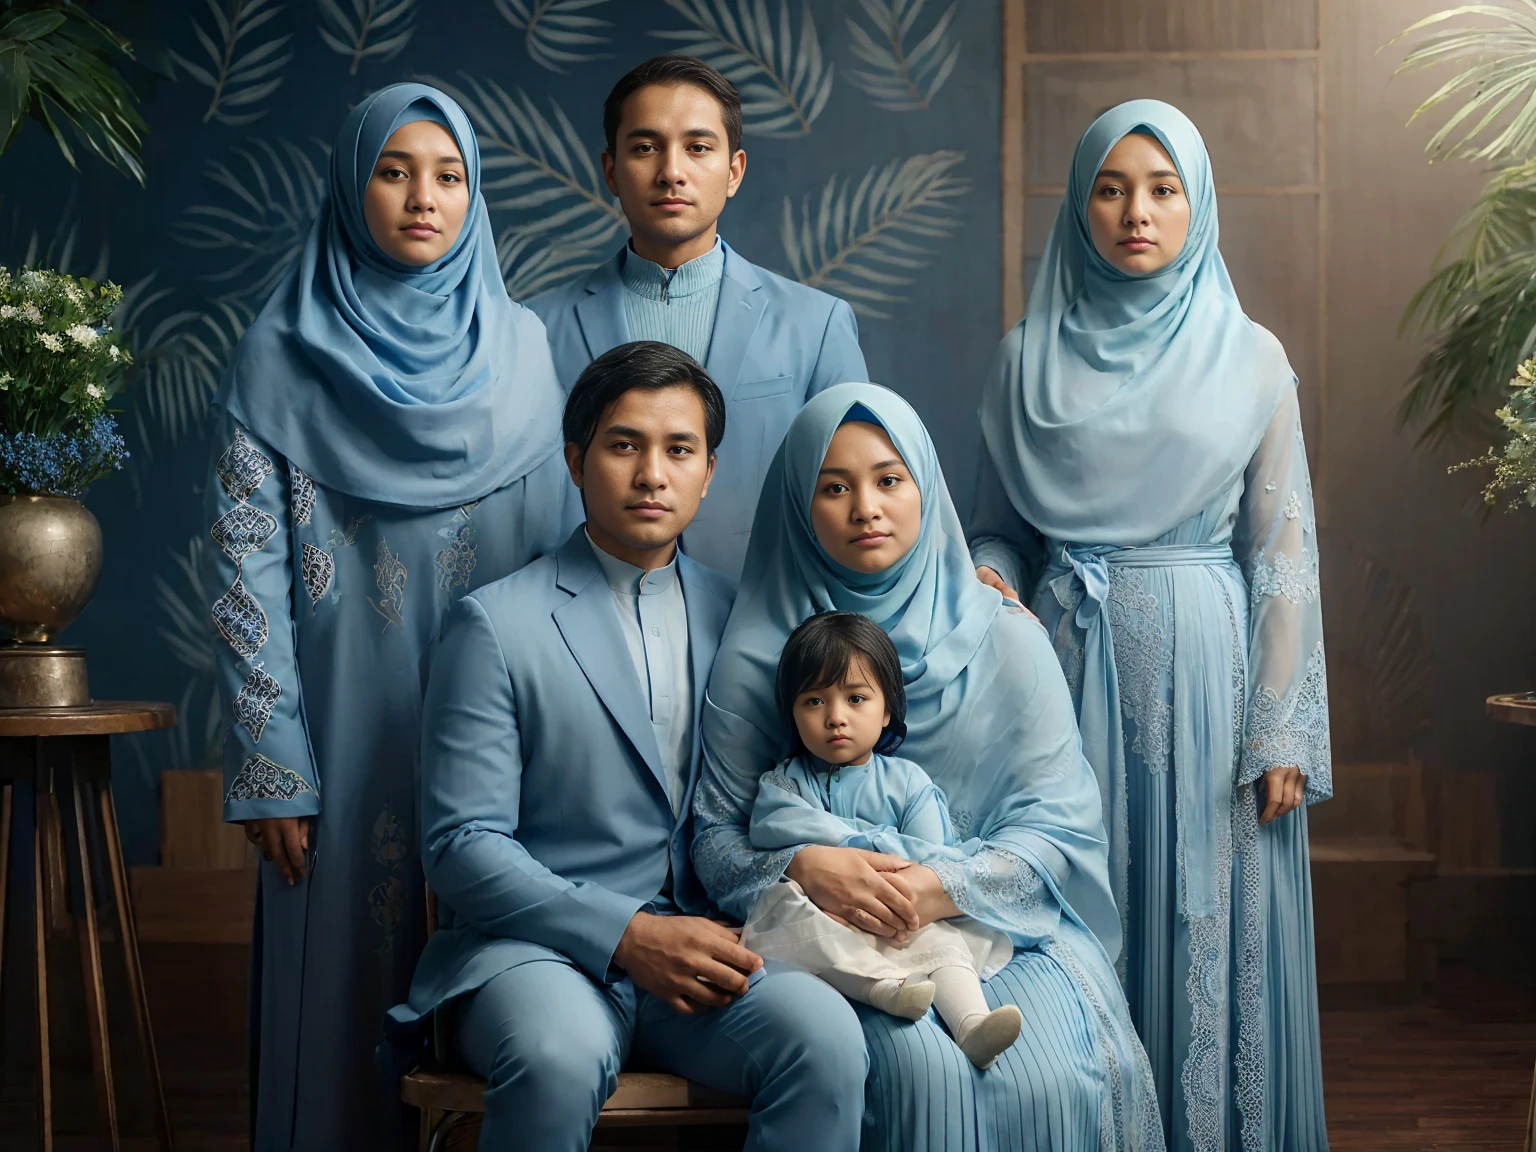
(1451, 1073)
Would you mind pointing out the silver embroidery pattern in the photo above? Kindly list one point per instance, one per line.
(456, 562)
(730, 868)
(242, 530)
(301, 494)
(263, 779)
(1143, 663)
(255, 701)
(242, 468)
(1296, 580)
(1292, 509)
(1293, 731)
(390, 576)
(782, 782)
(317, 567)
(240, 619)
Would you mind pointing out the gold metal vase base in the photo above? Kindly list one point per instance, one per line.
(42, 676)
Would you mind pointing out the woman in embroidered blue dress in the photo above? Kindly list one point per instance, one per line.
(391, 440)
(1145, 478)
(854, 516)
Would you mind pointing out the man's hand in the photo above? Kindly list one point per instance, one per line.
(284, 841)
(852, 886)
(688, 961)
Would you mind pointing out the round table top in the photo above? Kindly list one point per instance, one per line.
(1513, 708)
(99, 718)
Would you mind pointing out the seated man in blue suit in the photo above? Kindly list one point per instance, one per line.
(674, 157)
(559, 754)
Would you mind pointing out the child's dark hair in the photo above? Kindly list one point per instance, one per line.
(819, 653)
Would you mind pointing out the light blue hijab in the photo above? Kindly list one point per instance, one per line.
(425, 387)
(1137, 401)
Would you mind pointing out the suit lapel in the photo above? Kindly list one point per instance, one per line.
(707, 613)
(601, 311)
(590, 627)
(737, 316)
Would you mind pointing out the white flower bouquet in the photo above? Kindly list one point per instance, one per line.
(60, 363)
(1514, 466)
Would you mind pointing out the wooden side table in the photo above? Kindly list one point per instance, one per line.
(65, 754)
(1519, 708)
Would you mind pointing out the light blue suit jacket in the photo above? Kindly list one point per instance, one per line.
(546, 823)
(776, 344)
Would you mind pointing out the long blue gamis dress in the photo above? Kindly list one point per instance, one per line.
(1145, 479)
(389, 441)
(990, 719)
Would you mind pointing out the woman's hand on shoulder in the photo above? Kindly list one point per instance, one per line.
(993, 579)
(854, 887)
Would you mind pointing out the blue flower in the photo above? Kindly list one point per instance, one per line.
(62, 464)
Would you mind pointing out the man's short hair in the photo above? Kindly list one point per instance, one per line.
(647, 364)
(671, 71)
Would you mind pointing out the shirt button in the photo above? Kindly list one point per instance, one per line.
(655, 631)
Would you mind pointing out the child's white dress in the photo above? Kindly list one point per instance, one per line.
(886, 805)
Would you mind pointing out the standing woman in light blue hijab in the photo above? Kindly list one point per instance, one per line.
(1146, 486)
(390, 440)
(855, 517)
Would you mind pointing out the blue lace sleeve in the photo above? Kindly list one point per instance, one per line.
(1276, 544)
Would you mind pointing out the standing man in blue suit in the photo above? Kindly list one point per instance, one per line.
(674, 157)
(560, 750)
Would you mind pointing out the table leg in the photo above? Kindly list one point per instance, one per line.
(40, 939)
(136, 989)
(5, 872)
(95, 990)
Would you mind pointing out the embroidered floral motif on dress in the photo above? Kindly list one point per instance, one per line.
(1292, 509)
(242, 530)
(317, 567)
(255, 701)
(1296, 580)
(1143, 662)
(781, 782)
(240, 620)
(1293, 731)
(242, 468)
(301, 494)
(456, 562)
(263, 779)
(390, 575)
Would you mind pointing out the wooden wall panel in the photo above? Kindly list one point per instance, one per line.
(1168, 25)
(1258, 117)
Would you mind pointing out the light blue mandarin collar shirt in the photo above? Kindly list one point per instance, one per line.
(654, 619)
(676, 306)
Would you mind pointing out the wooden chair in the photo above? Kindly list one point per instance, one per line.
(451, 1101)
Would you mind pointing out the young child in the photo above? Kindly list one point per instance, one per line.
(840, 689)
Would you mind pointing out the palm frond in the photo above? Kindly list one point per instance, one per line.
(177, 361)
(784, 80)
(1497, 80)
(274, 192)
(536, 165)
(532, 261)
(555, 32)
(863, 241)
(59, 66)
(1479, 309)
(187, 628)
(899, 78)
(347, 26)
(238, 75)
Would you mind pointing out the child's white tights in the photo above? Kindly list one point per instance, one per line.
(954, 991)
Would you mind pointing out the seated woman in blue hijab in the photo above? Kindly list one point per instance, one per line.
(390, 441)
(855, 517)
(1145, 485)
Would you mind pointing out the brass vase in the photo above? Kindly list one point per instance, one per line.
(50, 562)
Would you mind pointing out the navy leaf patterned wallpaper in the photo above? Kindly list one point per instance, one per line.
(873, 173)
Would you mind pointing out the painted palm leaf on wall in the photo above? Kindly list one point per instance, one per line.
(896, 76)
(865, 241)
(177, 361)
(367, 29)
(240, 69)
(537, 169)
(272, 192)
(188, 634)
(783, 78)
(557, 32)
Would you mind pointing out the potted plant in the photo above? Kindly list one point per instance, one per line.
(60, 364)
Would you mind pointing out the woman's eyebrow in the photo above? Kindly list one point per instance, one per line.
(399, 155)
